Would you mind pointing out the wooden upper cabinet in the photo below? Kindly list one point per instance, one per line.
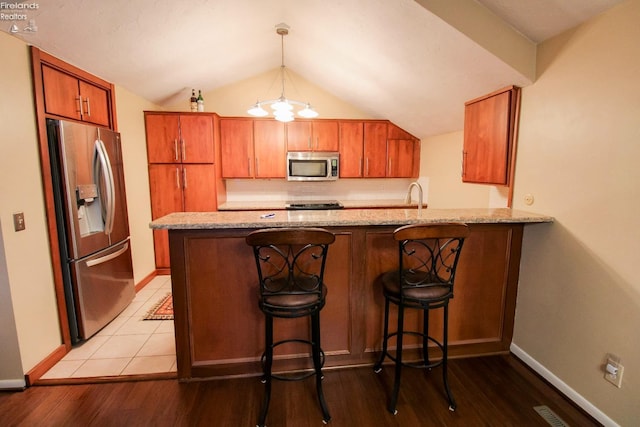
(325, 135)
(351, 138)
(173, 138)
(299, 135)
(489, 137)
(269, 149)
(257, 148)
(95, 103)
(196, 138)
(163, 133)
(313, 135)
(236, 146)
(400, 158)
(403, 153)
(68, 96)
(375, 149)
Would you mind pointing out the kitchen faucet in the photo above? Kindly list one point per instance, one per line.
(407, 200)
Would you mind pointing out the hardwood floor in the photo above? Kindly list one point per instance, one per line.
(490, 391)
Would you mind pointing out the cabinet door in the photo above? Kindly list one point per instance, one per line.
(165, 184)
(95, 103)
(400, 158)
(236, 146)
(269, 147)
(299, 136)
(196, 139)
(487, 140)
(375, 149)
(324, 135)
(60, 93)
(351, 149)
(199, 187)
(163, 145)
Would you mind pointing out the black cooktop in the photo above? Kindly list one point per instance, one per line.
(313, 205)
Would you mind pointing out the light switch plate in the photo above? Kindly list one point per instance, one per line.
(18, 221)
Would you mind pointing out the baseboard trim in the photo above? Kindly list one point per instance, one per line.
(142, 283)
(9, 385)
(570, 393)
(41, 368)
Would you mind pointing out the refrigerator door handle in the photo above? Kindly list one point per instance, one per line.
(103, 167)
(106, 258)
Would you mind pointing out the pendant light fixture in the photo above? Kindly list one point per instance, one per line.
(282, 107)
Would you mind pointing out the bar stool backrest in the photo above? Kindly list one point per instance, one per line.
(290, 263)
(428, 254)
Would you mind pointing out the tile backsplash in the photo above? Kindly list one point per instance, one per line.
(242, 190)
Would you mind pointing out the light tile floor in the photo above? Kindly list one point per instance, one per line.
(128, 345)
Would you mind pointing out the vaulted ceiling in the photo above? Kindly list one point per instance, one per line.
(414, 62)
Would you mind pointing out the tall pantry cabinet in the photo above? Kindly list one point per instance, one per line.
(183, 174)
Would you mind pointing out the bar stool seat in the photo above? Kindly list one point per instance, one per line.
(290, 264)
(427, 261)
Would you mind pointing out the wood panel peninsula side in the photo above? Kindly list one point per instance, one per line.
(219, 328)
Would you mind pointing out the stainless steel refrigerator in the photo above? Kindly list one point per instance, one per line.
(93, 228)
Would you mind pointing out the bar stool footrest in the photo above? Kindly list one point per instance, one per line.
(292, 376)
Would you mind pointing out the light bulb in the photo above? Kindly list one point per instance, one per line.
(257, 110)
(307, 112)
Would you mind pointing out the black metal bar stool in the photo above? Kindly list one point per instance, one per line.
(428, 257)
(290, 263)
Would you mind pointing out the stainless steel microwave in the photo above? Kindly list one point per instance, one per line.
(312, 166)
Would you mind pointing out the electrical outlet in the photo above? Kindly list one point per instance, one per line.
(613, 371)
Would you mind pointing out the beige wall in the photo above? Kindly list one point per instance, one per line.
(236, 99)
(32, 289)
(578, 295)
(130, 115)
(27, 253)
(441, 162)
(579, 147)
(579, 144)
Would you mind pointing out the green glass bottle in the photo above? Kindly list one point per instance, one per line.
(200, 101)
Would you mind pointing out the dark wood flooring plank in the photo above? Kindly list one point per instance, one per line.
(490, 391)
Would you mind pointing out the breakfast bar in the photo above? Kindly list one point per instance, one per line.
(219, 327)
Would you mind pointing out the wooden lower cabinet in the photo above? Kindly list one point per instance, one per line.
(179, 188)
(220, 329)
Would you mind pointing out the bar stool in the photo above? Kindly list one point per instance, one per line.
(290, 263)
(428, 257)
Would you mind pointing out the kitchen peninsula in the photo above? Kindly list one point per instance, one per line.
(219, 328)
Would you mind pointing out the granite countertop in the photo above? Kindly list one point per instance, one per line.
(340, 218)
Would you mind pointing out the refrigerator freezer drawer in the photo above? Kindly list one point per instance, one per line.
(104, 287)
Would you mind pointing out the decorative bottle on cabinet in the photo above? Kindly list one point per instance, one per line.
(200, 101)
(194, 101)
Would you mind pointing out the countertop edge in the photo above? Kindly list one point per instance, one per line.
(341, 218)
